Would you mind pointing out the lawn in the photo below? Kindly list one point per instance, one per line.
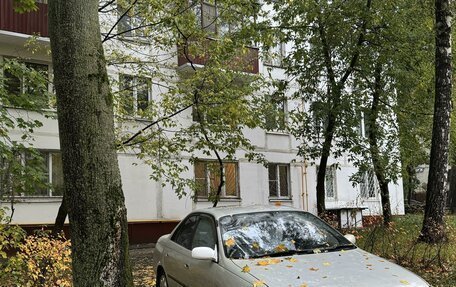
(435, 263)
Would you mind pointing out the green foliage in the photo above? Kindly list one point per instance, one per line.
(203, 110)
(23, 90)
(399, 243)
(23, 6)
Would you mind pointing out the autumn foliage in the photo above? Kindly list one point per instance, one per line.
(38, 260)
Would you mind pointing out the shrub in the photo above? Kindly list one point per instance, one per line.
(40, 260)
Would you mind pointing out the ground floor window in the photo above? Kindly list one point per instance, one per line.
(207, 179)
(32, 174)
(369, 187)
(279, 180)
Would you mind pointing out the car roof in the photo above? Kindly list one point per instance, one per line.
(221, 211)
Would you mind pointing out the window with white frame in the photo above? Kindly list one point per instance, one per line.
(46, 165)
(33, 81)
(130, 24)
(369, 187)
(135, 94)
(279, 180)
(275, 55)
(275, 117)
(330, 182)
(208, 16)
(207, 179)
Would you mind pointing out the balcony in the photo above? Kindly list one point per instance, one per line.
(247, 63)
(31, 23)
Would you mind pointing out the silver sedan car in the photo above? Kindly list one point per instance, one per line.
(268, 246)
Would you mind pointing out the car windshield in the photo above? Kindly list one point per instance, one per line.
(278, 233)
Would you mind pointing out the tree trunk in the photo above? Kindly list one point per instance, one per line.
(452, 190)
(379, 168)
(411, 177)
(93, 189)
(433, 230)
(60, 219)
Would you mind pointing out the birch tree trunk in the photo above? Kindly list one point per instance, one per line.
(93, 189)
(433, 230)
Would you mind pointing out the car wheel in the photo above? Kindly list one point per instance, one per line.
(162, 280)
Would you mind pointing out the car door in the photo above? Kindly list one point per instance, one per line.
(176, 255)
(182, 269)
(203, 272)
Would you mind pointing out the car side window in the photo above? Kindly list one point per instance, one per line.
(184, 234)
(205, 234)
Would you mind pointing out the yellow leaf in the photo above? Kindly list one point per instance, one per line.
(230, 242)
(405, 282)
(304, 285)
(291, 259)
(259, 283)
(326, 264)
(263, 262)
(246, 269)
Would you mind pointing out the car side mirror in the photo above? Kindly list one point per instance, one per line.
(351, 238)
(204, 253)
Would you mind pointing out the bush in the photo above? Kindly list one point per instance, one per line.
(40, 260)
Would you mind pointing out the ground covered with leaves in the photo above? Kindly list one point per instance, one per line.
(398, 243)
(141, 259)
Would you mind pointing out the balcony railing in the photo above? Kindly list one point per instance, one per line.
(247, 62)
(31, 23)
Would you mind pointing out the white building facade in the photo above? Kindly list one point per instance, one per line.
(154, 209)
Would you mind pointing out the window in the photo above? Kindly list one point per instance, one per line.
(183, 235)
(205, 235)
(130, 23)
(207, 179)
(330, 182)
(22, 84)
(369, 185)
(275, 117)
(275, 55)
(208, 15)
(135, 94)
(279, 180)
(45, 164)
(196, 231)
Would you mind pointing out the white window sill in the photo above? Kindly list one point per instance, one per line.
(275, 199)
(33, 199)
(223, 199)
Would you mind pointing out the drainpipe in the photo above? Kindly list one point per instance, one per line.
(304, 193)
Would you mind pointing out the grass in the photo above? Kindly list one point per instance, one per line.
(398, 243)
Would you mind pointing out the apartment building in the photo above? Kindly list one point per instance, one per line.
(153, 207)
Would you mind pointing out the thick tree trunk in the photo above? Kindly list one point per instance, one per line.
(452, 190)
(433, 230)
(379, 168)
(93, 189)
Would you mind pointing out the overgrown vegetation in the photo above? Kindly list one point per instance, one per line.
(35, 260)
(398, 243)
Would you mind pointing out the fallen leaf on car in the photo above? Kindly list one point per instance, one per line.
(404, 282)
(313, 269)
(304, 285)
(246, 269)
(259, 283)
(326, 264)
(230, 242)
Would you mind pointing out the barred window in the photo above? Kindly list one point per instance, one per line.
(369, 185)
(207, 178)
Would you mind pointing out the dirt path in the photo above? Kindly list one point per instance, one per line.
(141, 259)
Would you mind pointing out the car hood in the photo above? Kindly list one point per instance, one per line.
(355, 268)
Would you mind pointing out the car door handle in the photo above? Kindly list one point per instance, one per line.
(186, 266)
